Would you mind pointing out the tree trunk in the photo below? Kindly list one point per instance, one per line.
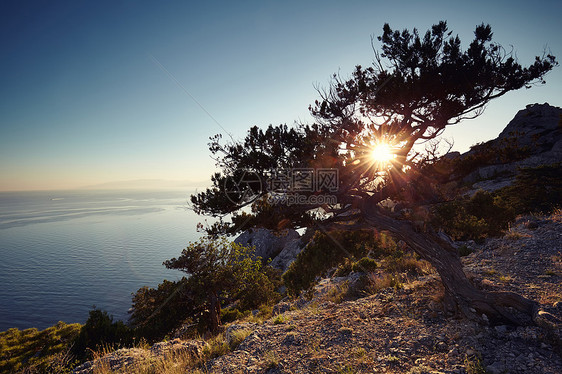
(460, 294)
(214, 313)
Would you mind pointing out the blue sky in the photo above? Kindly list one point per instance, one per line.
(84, 98)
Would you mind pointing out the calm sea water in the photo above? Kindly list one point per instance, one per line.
(63, 252)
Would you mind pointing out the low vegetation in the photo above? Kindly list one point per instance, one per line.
(101, 332)
(486, 214)
(341, 249)
(535, 190)
(478, 217)
(44, 351)
(225, 283)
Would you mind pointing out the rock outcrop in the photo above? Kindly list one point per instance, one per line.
(281, 247)
(531, 139)
(288, 254)
(538, 126)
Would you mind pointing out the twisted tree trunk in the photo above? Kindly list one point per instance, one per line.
(460, 294)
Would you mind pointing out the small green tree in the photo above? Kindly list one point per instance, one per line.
(221, 271)
(157, 311)
(100, 331)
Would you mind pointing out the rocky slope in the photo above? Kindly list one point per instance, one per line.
(405, 330)
(532, 138)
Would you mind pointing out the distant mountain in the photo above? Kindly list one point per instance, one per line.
(147, 184)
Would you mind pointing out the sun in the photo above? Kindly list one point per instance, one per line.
(382, 153)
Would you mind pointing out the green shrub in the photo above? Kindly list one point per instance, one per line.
(365, 265)
(535, 190)
(258, 287)
(101, 332)
(231, 314)
(478, 217)
(325, 252)
(221, 273)
(157, 311)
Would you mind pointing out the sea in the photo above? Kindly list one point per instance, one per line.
(63, 253)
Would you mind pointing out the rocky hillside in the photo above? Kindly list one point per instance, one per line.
(532, 138)
(400, 330)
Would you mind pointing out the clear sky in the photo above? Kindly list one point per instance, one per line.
(99, 91)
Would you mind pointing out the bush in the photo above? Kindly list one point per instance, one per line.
(370, 284)
(481, 216)
(409, 263)
(324, 252)
(101, 332)
(365, 265)
(220, 273)
(231, 315)
(258, 287)
(536, 190)
(344, 268)
(157, 311)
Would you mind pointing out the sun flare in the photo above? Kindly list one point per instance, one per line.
(382, 153)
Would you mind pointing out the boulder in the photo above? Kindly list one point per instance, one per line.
(287, 255)
(267, 243)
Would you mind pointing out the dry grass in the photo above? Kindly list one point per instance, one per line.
(142, 361)
(337, 292)
(473, 365)
(556, 216)
(216, 346)
(379, 282)
(512, 234)
(238, 337)
(271, 359)
(408, 263)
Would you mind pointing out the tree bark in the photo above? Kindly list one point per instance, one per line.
(460, 294)
(214, 313)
